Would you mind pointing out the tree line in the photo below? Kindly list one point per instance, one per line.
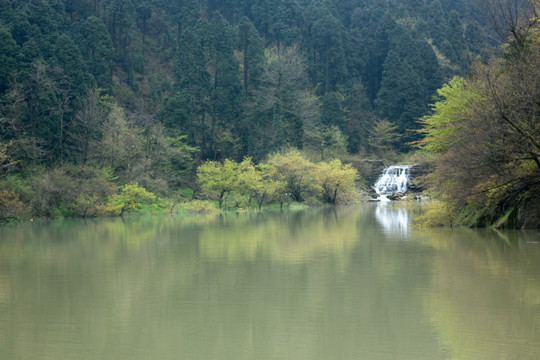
(226, 74)
(124, 91)
(485, 133)
(285, 177)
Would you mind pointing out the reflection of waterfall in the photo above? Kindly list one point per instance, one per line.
(393, 221)
(394, 179)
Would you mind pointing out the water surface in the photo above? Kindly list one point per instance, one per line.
(343, 283)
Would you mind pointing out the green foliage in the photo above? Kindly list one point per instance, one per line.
(293, 169)
(457, 99)
(54, 192)
(436, 214)
(485, 133)
(180, 160)
(252, 48)
(121, 145)
(9, 52)
(6, 161)
(11, 206)
(333, 178)
(325, 142)
(220, 178)
(198, 206)
(286, 176)
(400, 97)
(80, 82)
(131, 198)
(384, 137)
(260, 182)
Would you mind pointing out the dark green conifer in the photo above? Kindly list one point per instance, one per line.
(9, 55)
(96, 47)
(252, 48)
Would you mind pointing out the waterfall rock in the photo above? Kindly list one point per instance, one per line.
(393, 182)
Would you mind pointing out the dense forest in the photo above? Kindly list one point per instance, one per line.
(485, 134)
(97, 94)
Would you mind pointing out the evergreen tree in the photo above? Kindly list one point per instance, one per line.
(474, 38)
(359, 116)
(455, 36)
(96, 48)
(144, 13)
(69, 58)
(436, 21)
(328, 52)
(9, 54)
(400, 97)
(376, 29)
(189, 110)
(332, 110)
(420, 56)
(187, 13)
(121, 15)
(252, 48)
(226, 89)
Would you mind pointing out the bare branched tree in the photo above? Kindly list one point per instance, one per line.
(511, 19)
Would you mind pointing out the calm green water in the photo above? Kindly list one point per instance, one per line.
(345, 283)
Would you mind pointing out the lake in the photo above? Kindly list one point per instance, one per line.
(328, 283)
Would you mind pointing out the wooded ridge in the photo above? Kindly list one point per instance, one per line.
(97, 94)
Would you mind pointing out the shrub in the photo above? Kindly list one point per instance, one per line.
(130, 198)
(436, 214)
(53, 190)
(11, 206)
(198, 206)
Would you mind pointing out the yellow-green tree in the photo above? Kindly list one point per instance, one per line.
(11, 205)
(485, 132)
(295, 171)
(457, 99)
(5, 159)
(121, 145)
(260, 182)
(333, 178)
(130, 198)
(248, 182)
(221, 178)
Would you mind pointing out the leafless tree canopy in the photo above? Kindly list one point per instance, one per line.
(511, 18)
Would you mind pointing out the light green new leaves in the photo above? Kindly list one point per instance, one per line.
(455, 106)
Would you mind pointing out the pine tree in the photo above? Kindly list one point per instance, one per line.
(252, 48)
(400, 97)
(96, 48)
(332, 110)
(9, 54)
(69, 58)
(436, 21)
(189, 109)
(226, 89)
(455, 35)
(328, 52)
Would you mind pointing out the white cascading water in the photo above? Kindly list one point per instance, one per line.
(394, 179)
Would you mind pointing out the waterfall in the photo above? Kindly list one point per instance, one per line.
(394, 179)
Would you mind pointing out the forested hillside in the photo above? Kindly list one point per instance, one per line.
(120, 91)
(485, 134)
